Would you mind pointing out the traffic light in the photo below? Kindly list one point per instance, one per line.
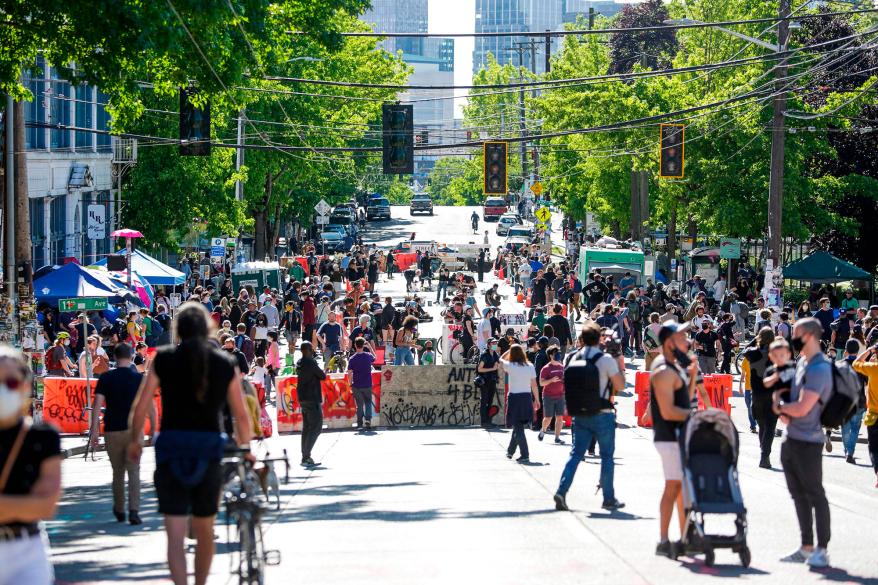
(194, 126)
(495, 168)
(399, 143)
(672, 155)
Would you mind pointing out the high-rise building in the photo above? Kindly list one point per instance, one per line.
(576, 8)
(514, 16)
(433, 62)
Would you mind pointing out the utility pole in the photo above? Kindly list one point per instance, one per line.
(778, 143)
(591, 15)
(522, 126)
(548, 52)
(9, 215)
(239, 157)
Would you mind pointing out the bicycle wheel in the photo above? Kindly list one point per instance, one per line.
(739, 359)
(251, 555)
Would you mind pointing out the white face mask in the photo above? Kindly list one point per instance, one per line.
(11, 402)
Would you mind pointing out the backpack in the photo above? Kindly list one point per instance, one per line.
(844, 396)
(582, 385)
(634, 311)
(157, 328)
(783, 330)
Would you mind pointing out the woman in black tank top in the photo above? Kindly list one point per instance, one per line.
(197, 381)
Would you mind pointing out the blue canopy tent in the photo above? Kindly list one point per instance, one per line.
(74, 281)
(151, 270)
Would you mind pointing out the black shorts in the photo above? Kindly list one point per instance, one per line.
(200, 500)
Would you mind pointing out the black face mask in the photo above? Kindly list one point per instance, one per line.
(797, 344)
(682, 357)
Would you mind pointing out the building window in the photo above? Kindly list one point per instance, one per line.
(38, 231)
(59, 112)
(103, 122)
(58, 234)
(35, 110)
(84, 116)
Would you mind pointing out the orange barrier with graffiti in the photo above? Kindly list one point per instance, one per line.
(339, 407)
(64, 404)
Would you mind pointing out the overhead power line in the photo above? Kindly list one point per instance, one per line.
(564, 33)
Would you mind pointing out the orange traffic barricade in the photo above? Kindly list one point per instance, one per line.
(641, 384)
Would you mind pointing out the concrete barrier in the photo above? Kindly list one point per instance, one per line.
(434, 396)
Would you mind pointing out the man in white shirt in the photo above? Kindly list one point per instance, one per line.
(483, 331)
(270, 312)
(524, 273)
(719, 288)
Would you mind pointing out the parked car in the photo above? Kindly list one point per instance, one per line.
(516, 243)
(340, 217)
(378, 208)
(494, 208)
(332, 241)
(507, 221)
(421, 204)
(525, 231)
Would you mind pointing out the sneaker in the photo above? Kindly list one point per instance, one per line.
(850, 459)
(508, 455)
(614, 505)
(558, 441)
(753, 430)
(541, 436)
(665, 549)
(591, 453)
(120, 516)
(765, 463)
(367, 425)
(561, 503)
(778, 433)
(134, 518)
(798, 556)
(308, 462)
(523, 459)
(818, 559)
(828, 442)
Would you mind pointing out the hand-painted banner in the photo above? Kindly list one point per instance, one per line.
(64, 404)
(339, 408)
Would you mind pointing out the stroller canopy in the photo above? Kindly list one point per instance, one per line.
(716, 420)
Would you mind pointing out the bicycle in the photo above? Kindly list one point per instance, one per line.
(457, 355)
(245, 508)
(338, 363)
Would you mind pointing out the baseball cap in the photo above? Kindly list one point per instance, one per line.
(873, 308)
(671, 327)
(510, 331)
(543, 340)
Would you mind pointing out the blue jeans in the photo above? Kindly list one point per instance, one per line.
(851, 430)
(403, 356)
(748, 400)
(602, 426)
(441, 289)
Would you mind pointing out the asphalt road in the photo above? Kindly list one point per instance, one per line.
(445, 505)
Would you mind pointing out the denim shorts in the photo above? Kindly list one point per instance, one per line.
(554, 406)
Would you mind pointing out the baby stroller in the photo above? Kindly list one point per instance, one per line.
(709, 451)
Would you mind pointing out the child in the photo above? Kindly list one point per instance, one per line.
(259, 373)
(272, 361)
(428, 356)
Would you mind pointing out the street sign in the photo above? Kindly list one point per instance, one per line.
(541, 226)
(543, 214)
(83, 304)
(687, 244)
(323, 207)
(537, 188)
(217, 249)
(322, 219)
(730, 248)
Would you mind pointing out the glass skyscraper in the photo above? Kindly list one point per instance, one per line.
(514, 16)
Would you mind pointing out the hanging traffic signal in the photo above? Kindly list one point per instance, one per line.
(194, 126)
(495, 168)
(672, 155)
(399, 142)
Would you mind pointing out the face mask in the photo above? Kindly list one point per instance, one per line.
(66, 342)
(682, 357)
(11, 402)
(797, 344)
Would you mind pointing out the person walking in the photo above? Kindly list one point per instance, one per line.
(489, 364)
(757, 364)
(360, 370)
(115, 392)
(330, 336)
(30, 478)
(801, 453)
(552, 382)
(601, 423)
(404, 342)
(198, 381)
(311, 400)
(672, 384)
(867, 365)
(523, 399)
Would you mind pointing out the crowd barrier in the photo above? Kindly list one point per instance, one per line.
(404, 260)
(433, 396)
(64, 404)
(717, 386)
(339, 408)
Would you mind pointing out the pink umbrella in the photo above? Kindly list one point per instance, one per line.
(126, 233)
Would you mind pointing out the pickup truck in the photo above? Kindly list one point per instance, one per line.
(494, 208)
(421, 204)
(378, 208)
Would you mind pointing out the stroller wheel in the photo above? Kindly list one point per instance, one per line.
(709, 556)
(744, 553)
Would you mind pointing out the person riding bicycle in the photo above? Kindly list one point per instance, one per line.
(474, 219)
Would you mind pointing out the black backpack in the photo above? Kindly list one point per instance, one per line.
(844, 397)
(582, 385)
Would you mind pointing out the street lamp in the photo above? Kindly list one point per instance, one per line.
(778, 137)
